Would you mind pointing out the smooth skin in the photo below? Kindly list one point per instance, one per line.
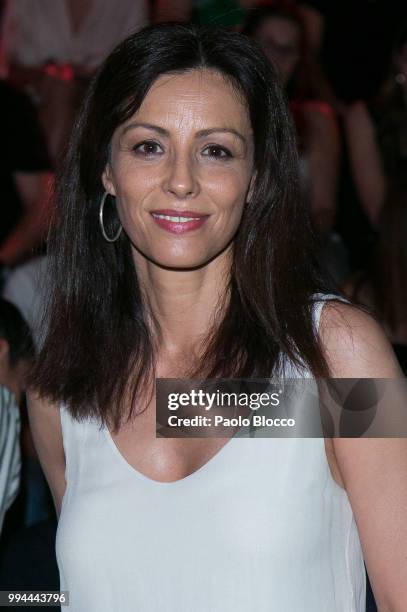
(178, 172)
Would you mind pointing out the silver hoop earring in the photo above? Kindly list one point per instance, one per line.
(102, 227)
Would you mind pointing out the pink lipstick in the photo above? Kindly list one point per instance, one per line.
(177, 221)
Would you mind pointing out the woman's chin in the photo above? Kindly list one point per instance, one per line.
(175, 263)
(172, 261)
(180, 259)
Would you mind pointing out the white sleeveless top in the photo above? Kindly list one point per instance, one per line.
(261, 527)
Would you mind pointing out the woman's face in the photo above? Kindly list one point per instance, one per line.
(181, 168)
(280, 41)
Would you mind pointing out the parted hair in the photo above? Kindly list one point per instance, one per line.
(98, 342)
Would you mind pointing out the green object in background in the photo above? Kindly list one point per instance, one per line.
(218, 12)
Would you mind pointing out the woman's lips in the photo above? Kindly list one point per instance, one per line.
(178, 222)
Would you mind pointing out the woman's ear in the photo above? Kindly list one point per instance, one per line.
(107, 180)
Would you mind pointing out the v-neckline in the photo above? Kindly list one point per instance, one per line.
(205, 467)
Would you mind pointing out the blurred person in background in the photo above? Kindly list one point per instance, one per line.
(353, 40)
(377, 136)
(227, 13)
(383, 285)
(280, 32)
(176, 10)
(24, 288)
(25, 179)
(53, 47)
(16, 353)
(10, 465)
(27, 558)
(230, 13)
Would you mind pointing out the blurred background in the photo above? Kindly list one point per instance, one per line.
(343, 65)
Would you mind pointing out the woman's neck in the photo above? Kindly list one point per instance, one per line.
(183, 303)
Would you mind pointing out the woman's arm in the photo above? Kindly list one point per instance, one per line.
(46, 431)
(365, 159)
(374, 470)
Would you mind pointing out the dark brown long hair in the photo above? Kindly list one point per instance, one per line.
(97, 337)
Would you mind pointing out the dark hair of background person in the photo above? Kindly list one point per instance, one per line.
(304, 83)
(97, 337)
(15, 330)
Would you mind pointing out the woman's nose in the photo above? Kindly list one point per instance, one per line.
(181, 180)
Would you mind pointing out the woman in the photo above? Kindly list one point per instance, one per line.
(382, 286)
(53, 49)
(187, 123)
(377, 135)
(280, 32)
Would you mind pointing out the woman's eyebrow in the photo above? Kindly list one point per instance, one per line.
(199, 134)
(203, 133)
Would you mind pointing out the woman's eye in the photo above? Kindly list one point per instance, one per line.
(217, 152)
(147, 148)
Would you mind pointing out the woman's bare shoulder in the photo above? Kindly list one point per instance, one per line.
(354, 343)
